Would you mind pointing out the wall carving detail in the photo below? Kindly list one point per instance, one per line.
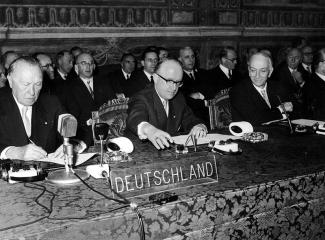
(176, 12)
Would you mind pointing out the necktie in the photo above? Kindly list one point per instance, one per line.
(90, 89)
(264, 95)
(309, 69)
(191, 76)
(165, 104)
(127, 76)
(229, 74)
(151, 79)
(26, 120)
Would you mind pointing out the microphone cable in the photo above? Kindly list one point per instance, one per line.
(133, 206)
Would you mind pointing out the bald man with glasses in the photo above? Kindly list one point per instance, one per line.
(257, 100)
(160, 111)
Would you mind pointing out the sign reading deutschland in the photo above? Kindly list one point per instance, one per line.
(170, 174)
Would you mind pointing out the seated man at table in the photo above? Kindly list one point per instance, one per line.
(158, 112)
(28, 119)
(256, 100)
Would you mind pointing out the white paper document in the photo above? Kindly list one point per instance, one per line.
(307, 122)
(81, 158)
(209, 137)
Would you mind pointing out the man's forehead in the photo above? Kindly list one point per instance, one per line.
(187, 52)
(151, 55)
(84, 57)
(259, 61)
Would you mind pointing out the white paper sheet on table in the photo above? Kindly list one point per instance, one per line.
(210, 137)
(307, 122)
(81, 158)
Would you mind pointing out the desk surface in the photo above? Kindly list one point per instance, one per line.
(285, 173)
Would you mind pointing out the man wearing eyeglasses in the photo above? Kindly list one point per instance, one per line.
(48, 72)
(159, 112)
(306, 66)
(257, 100)
(224, 75)
(86, 94)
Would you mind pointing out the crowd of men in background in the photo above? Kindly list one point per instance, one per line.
(259, 91)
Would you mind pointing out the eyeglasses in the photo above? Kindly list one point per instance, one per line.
(84, 63)
(263, 72)
(232, 60)
(171, 82)
(47, 66)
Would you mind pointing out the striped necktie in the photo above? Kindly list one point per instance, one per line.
(90, 89)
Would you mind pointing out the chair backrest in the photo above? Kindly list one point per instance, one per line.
(114, 113)
(219, 110)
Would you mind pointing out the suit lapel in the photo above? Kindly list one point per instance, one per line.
(40, 124)
(15, 123)
(257, 98)
(160, 111)
(84, 90)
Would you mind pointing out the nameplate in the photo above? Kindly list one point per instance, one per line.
(164, 175)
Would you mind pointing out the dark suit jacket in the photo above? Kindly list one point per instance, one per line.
(218, 81)
(139, 81)
(316, 98)
(248, 105)
(147, 106)
(44, 122)
(199, 84)
(120, 84)
(81, 104)
(296, 94)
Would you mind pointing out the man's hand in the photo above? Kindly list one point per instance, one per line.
(159, 138)
(28, 152)
(199, 130)
(197, 95)
(287, 106)
(59, 152)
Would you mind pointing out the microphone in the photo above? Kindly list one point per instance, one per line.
(286, 114)
(67, 127)
(101, 133)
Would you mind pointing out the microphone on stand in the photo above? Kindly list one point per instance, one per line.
(67, 127)
(101, 133)
(286, 114)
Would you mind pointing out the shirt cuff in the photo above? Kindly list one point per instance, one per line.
(282, 112)
(140, 131)
(3, 153)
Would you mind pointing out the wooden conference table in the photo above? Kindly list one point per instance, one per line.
(273, 190)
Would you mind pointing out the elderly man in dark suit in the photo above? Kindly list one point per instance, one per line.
(121, 79)
(86, 94)
(28, 119)
(316, 88)
(291, 78)
(225, 74)
(194, 84)
(160, 111)
(257, 100)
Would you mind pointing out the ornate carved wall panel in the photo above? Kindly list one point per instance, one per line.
(110, 27)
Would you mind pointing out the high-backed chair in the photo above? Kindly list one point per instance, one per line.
(114, 113)
(219, 110)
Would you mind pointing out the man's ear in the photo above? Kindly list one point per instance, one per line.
(142, 63)
(76, 68)
(9, 78)
(271, 71)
